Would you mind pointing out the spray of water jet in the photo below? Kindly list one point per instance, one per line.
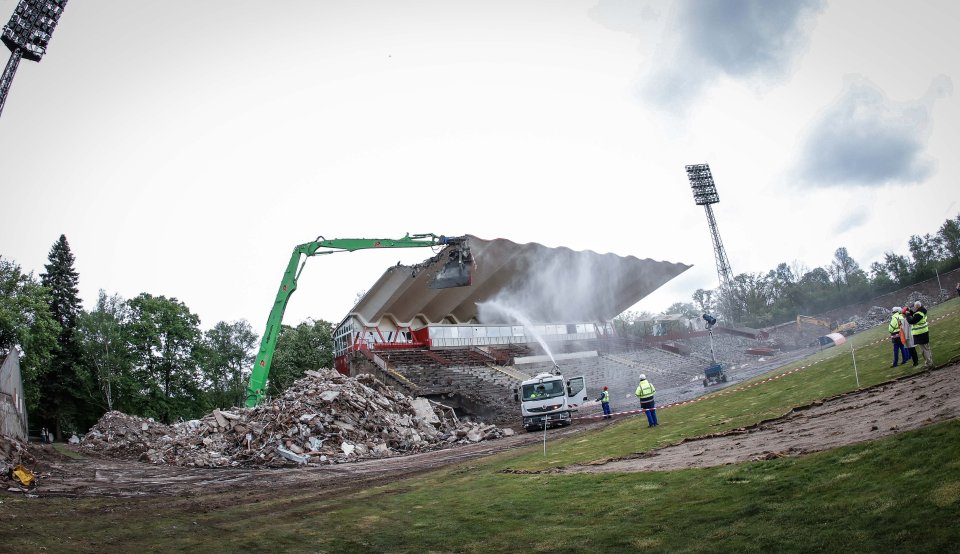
(510, 313)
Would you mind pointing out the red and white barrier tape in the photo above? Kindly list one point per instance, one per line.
(738, 389)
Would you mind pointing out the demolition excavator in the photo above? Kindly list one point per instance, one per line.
(456, 271)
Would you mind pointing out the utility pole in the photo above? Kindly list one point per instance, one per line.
(27, 35)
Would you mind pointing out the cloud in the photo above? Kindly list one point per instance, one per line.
(853, 218)
(628, 16)
(866, 139)
(709, 39)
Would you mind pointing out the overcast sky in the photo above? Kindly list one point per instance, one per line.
(185, 147)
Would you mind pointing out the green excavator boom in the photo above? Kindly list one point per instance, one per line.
(455, 273)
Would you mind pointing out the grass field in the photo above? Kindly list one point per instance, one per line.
(899, 494)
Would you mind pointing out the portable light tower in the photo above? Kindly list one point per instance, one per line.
(27, 35)
(705, 194)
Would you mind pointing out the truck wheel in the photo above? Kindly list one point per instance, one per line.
(705, 383)
(723, 378)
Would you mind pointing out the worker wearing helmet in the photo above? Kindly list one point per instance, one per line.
(604, 400)
(921, 335)
(900, 352)
(645, 392)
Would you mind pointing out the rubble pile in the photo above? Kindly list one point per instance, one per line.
(13, 451)
(923, 298)
(879, 315)
(124, 436)
(876, 315)
(324, 418)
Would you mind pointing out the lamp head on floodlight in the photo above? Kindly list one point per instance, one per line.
(31, 26)
(701, 181)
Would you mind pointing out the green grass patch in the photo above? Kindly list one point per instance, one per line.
(66, 451)
(871, 497)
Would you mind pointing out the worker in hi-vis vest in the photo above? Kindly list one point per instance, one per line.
(604, 400)
(645, 392)
(921, 332)
(899, 349)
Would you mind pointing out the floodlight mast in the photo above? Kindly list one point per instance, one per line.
(27, 35)
(705, 194)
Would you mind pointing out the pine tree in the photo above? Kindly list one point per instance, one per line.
(60, 404)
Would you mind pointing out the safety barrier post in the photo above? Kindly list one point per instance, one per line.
(855, 374)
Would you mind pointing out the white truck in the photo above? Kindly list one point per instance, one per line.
(548, 399)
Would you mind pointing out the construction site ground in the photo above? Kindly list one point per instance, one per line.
(871, 413)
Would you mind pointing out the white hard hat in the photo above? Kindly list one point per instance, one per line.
(642, 376)
(917, 304)
(896, 308)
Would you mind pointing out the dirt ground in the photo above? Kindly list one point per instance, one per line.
(96, 475)
(871, 413)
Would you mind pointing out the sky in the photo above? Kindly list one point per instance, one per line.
(184, 148)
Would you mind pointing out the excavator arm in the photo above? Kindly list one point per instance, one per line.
(455, 273)
(801, 319)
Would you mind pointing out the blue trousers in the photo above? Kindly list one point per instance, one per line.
(606, 408)
(649, 406)
(899, 351)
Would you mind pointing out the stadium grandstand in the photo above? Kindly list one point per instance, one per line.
(528, 308)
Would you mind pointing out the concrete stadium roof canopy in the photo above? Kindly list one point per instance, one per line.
(541, 284)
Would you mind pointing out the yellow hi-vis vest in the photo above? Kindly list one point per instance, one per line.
(645, 390)
(605, 397)
(895, 323)
(920, 327)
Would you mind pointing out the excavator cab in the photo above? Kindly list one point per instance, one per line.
(456, 271)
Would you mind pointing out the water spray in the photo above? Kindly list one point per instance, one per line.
(515, 315)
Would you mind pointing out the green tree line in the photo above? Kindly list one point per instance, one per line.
(145, 356)
(763, 299)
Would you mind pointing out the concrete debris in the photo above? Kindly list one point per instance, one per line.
(878, 315)
(13, 451)
(923, 298)
(324, 418)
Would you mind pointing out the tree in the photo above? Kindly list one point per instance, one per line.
(26, 322)
(61, 405)
(880, 277)
(703, 299)
(924, 252)
(843, 266)
(106, 351)
(780, 280)
(228, 355)
(633, 324)
(165, 339)
(812, 292)
(685, 309)
(897, 266)
(752, 294)
(816, 278)
(306, 346)
(949, 235)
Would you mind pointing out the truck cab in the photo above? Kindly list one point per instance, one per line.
(549, 399)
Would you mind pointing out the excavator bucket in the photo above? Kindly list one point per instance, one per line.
(456, 271)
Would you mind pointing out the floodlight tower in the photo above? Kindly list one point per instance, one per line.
(705, 194)
(27, 34)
